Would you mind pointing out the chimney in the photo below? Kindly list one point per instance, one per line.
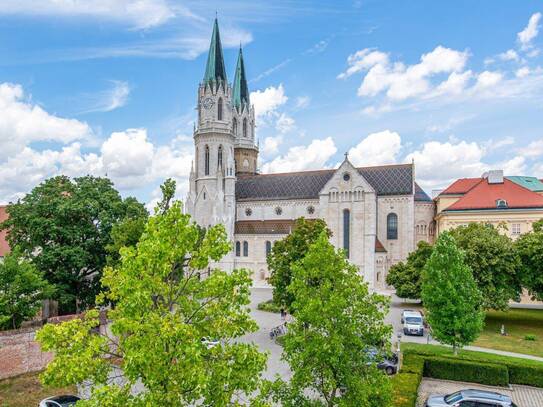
(494, 176)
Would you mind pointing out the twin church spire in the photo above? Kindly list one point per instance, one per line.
(216, 72)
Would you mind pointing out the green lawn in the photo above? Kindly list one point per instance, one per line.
(518, 323)
(26, 390)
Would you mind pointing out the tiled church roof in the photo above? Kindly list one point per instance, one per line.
(386, 180)
(264, 227)
(420, 195)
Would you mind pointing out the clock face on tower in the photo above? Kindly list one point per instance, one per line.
(207, 103)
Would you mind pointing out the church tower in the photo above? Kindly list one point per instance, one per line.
(243, 123)
(211, 198)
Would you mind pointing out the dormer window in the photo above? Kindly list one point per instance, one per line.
(501, 203)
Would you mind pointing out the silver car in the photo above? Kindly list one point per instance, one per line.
(60, 401)
(470, 398)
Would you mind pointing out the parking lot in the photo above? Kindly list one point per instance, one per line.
(523, 396)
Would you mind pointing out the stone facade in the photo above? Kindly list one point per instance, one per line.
(376, 214)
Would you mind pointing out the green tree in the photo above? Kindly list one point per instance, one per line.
(288, 251)
(406, 277)
(163, 310)
(493, 261)
(529, 247)
(336, 322)
(64, 226)
(22, 290)
(450, 295)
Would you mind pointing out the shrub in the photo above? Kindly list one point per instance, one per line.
(524, 374)
(466, 371)
(405, 389)
(269, 306)
(529, 337)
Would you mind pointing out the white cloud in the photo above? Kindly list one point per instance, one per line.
(284, 123)
(268, 100)
(487, 79)
(522, 72)
(534, 149)
(110, 99)
(377, 148)
(137, 13)
(22, 122)
(298, 158)
(271, 145)
(400, 81)
(526, 36)
(302, 102)
(455, 83)
(509, 55)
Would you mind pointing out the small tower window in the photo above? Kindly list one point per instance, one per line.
(268, 248)
(244, 127)
(245, 249)
(206, 159)
(219, 157)
(392, 226)
(219, 109)
(248, 212)
(235, 126)
(346, 231)
(278, 210)
(501, 203)
(238, 249)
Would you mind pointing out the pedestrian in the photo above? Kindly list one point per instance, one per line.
(283, 315)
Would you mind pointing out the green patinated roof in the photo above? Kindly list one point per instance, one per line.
(240, 89)
(531, 183)
(215, 70)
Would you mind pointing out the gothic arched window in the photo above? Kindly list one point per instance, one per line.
(206, 159)
(244, 127)
(268, 248)
(245, 249)
(235, 126)
(346, 231)
(219, 109)
(238, 249)
(392, 226)
(219, 157)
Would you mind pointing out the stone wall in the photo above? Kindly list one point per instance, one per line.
(20, 353)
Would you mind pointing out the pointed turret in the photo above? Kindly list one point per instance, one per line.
(240, 91)
(215, 70)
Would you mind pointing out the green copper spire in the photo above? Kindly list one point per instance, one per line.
(215, 70)
(240, 92)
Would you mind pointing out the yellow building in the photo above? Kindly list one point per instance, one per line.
(515, 202)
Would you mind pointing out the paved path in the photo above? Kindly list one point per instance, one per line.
(523, 396)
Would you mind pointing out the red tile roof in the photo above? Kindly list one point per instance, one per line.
(484, 196)
(461, 186)
(379, 246)
(4, 247)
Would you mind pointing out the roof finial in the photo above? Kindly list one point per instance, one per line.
(346, 156)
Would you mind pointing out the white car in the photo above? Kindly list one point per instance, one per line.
(59, 401)
(413, 323)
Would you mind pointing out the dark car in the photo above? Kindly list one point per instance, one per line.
(387, 363)
(59, 401)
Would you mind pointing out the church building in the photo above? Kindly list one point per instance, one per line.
(376, 214)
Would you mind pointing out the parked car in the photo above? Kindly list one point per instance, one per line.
(387, 363)
(59, 401)
(413, 323)
(470, 398)
(209, 343)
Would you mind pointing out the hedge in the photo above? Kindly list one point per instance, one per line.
(269, 306)
(521, 371)
(466, 371)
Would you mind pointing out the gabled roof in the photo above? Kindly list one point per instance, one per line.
(420, 195)
(215, 70)
(485, 195)
(379, 248)
(461, 186)
(386, 180)
(240, 90)
(531, 183)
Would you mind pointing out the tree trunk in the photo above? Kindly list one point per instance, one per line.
(455, 350)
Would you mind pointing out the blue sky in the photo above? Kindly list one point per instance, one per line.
(109, 86)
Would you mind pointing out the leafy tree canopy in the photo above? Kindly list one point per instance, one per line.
(22, 290)
(406, 277)
(336, 321)
(529, 247)
(450, 295)
(493, 261)
(64, 226)
(288, 251)
(163, 310)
